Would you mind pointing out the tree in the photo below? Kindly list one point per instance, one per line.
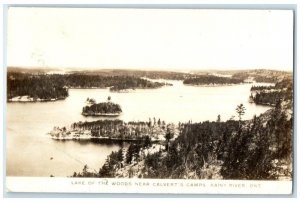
(158, 122)
(219, 118)
(150, 122)
(169, 135)
(129, 153)
(92, 101)
(85, 169)
(147, 142)
(251, 98)
(240, 109)
(105, 171)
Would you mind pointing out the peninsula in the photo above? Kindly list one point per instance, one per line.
(118, 130)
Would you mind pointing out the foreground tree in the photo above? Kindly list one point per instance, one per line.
(240, 109)
(169, 135)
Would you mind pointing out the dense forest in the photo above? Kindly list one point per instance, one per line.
(151, 74)
(259, 88)
(49, 86)
(210, 79)
(168, 75)
(115, 83)
(260, 148)
(42, 86)
(259, 75)
(133, 130)
(270, 95)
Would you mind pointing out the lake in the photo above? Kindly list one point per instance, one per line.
(30, 152)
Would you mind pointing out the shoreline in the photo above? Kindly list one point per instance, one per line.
(90, 137)
(24, 99)
(102, 114)
(215, 85)
(265, 104)
(114, 130)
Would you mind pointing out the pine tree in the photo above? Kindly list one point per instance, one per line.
(219, 118)
(240, 109)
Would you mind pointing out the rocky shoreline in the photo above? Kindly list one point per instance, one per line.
(101, 114)
(26, 98)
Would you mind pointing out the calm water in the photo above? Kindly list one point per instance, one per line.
(31, 153)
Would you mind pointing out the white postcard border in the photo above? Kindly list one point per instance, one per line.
(63, 185)
(161, 186)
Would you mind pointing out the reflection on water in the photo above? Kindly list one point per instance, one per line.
(107, 142)
(31, 153)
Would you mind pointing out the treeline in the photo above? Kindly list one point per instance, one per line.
(45, 86)
(259, 88)
(270, 95)
(155, 74)
(210, 79)
(102, 108)
(259, 149)
(115, 83)
(136, 83)
(117, 129)
(168, 75)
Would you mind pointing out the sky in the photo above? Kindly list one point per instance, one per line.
(160, 39)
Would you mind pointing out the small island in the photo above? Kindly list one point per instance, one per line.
(101, 109)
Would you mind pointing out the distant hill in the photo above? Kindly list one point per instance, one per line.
(34, 70)
(258, 75)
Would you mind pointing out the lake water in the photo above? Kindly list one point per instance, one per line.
(30, 152)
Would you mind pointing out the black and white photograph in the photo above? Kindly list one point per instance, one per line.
(174, 99)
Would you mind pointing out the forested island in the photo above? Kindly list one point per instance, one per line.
(101, 109)
(151, 131)
(211, 80)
